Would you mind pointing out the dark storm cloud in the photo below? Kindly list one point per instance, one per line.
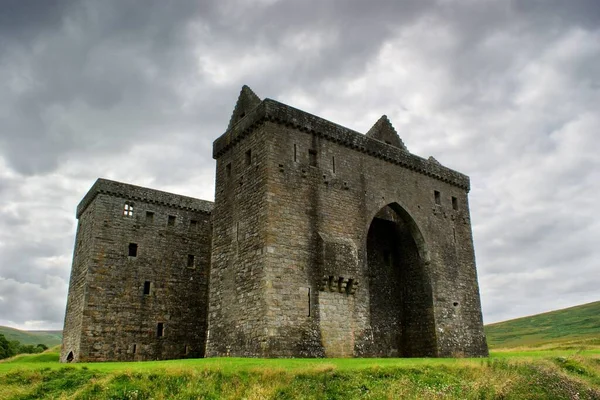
(136, 91)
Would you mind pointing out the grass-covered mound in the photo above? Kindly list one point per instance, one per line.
(573, 327)
(546, 375)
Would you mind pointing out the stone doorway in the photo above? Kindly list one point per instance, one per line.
(400, 300)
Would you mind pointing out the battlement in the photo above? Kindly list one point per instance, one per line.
(133, 192)
(274, 111)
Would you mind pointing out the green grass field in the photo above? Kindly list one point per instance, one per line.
(550, 374)
(549, 356)
(49, 338)
(573, 327)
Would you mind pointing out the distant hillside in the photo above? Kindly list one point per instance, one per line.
(49, 338)
(570, 326)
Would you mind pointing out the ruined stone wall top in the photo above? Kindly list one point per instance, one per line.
(133, 192)
(274, 111)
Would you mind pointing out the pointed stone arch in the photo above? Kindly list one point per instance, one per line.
(400, 292)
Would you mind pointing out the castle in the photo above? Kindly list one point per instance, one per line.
(321, 242)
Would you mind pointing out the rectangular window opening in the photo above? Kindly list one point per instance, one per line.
(295, 153)
(333, 164)
(249, 157)
(133, 249)
(149, 216)
(228, 170)
(190, 261)
(171, 220)
(147, 288)
(438, 197)
(312, 157)
(193, 224)
(454, 203)
(308, 303)
(160, 329)
(134, 348)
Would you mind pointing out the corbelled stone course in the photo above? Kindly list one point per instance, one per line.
(274, 111)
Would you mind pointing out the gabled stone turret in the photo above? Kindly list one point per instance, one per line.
(247, 101)
(385, 132)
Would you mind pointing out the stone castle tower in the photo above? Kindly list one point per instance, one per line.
(321, 242)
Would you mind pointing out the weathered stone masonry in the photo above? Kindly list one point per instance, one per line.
(117, 299)
(325, 242)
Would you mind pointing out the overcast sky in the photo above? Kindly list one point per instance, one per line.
(507, 92)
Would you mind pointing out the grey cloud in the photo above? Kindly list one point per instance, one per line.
(503, 91)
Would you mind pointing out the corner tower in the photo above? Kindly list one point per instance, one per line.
(328, 242)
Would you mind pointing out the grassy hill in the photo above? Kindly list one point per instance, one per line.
(567, 328)
(49, 338)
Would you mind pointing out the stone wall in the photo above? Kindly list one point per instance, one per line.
(318, 189)
(142, 258)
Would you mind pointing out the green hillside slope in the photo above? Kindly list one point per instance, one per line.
(572, 326)
(49, 338)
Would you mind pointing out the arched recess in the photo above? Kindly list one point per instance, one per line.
(400, 294)
(70, 357)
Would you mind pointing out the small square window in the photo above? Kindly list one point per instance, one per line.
(160, 329)
(190, 261)
(454, 203)
(438, 197)
(128, 209)
(147, 287)
(171, 220)
(149, 217)
(133, 247)
(249, 157)
(193, 224)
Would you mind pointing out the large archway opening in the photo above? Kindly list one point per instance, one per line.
(401, 304)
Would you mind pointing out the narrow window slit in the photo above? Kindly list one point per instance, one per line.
(312, 157)
(146, 287)
(438, 197)
(249, 157)
(160, 329)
